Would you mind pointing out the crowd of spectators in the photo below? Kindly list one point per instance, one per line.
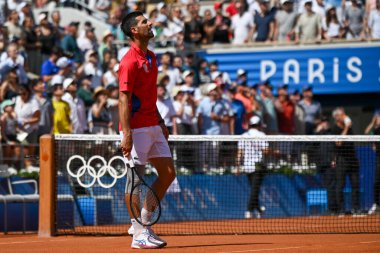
(62, 80)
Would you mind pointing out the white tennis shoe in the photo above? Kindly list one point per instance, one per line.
(131, 232)
(144, 240)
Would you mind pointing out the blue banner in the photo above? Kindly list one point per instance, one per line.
(329, 69)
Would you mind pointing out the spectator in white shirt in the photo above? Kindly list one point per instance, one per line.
(93, 69)
(173, 73)
(77, 108)
(111, 76)
(166, 109)
(242, 24)
(374, 22)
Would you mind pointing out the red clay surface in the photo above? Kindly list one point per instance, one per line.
(330, 243)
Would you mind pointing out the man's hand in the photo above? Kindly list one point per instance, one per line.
(165, 130)
(126, 144)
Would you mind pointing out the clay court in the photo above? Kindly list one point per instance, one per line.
(332, 243)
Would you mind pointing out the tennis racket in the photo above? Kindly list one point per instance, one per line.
(143, 196)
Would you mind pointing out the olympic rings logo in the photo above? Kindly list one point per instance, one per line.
(96, 176)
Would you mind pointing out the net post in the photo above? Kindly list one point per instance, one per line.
(46, 214)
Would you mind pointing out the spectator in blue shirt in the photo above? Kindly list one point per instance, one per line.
(311, 108)
(239, 112)
(49, 67)
(264, 22)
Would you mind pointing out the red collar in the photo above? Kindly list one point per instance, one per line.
(139, 51)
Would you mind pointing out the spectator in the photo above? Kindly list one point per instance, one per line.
(77, 108)
(99, 119)
(47, 36)
(243, 96)
(309, 25)
(218, 27)
(231, 8)
(49, 67)
(85, 93)
(374, 22)
(92, 68)
(114, 27)
(45, 126)
(299, 113)
(242, 79)
(13, 27)
(176, 21)
(65, 70)
(166, 109)
(111, 77)
(193, 27)
(285, 111)
(12, 4)
(311, 108)
(251, 155)
(203, 73)
(185, 108)
(10, 87)
(239, 112)
(9, 131)
(374, 128)
(334, 28)
(32, 45)
(178, 63)
(24, 11)
(346, 163)
(13, 61)
(88, 40)
(242, 25)
(69, 42)
(354, 18)
(211, 112)
(61, 118)
(267, 100)
(319, 8)
(28, 117)
(215, 68)
(113, 105)
(2, 12)
(173, 73)
(286, 19)
(107, 46)
(58, 30)
(188, 77)
(264, 22)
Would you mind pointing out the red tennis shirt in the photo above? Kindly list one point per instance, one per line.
(138, 75)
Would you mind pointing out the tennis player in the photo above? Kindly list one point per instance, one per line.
(144, 134)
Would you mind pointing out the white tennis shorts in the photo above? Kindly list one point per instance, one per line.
(148, 142)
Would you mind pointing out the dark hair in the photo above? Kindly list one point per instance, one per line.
(129, 21)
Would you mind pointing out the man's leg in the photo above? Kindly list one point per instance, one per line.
(166, 174)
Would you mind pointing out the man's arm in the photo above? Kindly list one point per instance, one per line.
(125, 122)
(161, 122)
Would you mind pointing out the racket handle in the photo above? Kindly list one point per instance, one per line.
(129, 161)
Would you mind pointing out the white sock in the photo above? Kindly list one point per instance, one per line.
(136, 226)
(146, 216)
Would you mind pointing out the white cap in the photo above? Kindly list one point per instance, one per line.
(161, 18)
(57, 79)
(67, 82)
(42, 16)
(254, 120)
(240, 72)
(211, 87)
(186, 73)
(63, 62)
(215, 74)
(160, 5)
(286, 1)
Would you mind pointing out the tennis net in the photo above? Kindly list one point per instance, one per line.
(226, 185)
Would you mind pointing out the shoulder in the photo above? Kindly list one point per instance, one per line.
(129, 60)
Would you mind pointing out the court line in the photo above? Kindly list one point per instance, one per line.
(371, 242)
(22, 242)
(258, 250)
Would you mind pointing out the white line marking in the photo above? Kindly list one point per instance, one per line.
(371, 242)
(22, 242)
(258, 250)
